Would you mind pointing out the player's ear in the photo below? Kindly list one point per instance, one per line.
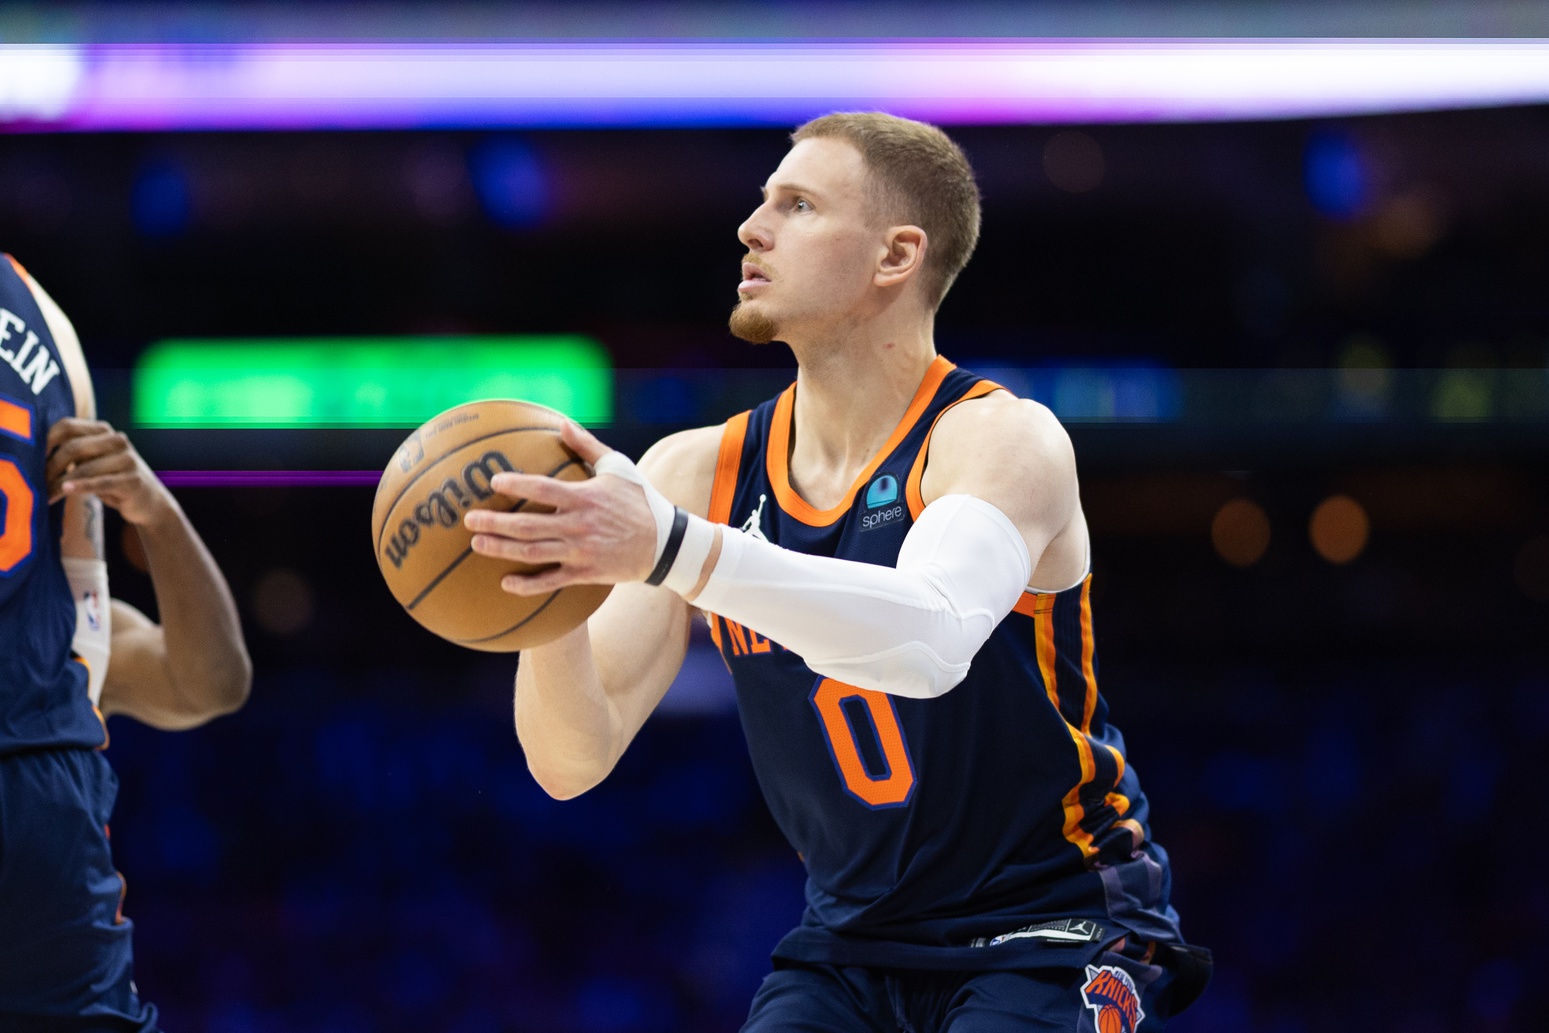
(903, 257)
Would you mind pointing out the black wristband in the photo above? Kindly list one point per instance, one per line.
(670, 550)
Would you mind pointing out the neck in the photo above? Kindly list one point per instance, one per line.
(852, 388)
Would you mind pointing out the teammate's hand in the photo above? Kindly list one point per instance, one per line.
(601, 530)
(89, 457)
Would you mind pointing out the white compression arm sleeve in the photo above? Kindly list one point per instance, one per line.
(909, 630)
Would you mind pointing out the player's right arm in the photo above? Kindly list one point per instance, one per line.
(581, 699)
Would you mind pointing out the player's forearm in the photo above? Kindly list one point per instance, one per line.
(569, 728)
(206, 659)
(910, 630)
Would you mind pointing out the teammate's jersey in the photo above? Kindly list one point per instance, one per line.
(43, 687)
(982, 829)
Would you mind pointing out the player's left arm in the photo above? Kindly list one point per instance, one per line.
(193, 666)
(1013, 454)
(1003, 489)
(999, 487)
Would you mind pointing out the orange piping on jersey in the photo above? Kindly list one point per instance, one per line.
(1137, 833)
(1043, 635)
(777, 462)
(94, 708)
(1117, 800)
(728, 462)
(1118, 758)
(106, 738)
(917, 472)
(1031, 604)
(16, 420)
(123, 891)
(723, 488)
(20, 270)
(1088, 648)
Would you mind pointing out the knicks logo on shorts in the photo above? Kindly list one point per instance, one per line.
(1111, 994)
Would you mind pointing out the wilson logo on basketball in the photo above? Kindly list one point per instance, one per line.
(1111, 994)
(445, 504)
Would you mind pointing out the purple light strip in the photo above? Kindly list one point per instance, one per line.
(268, 478)
(601, 83)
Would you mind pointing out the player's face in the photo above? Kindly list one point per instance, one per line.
(812, 246)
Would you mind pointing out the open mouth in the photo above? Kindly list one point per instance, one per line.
(752, 276)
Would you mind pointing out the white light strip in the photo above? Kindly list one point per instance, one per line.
(290, 86)
(38, 82)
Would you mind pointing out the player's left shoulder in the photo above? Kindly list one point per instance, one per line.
(1000, 428)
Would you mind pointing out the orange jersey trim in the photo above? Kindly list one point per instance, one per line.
(1040, 607)
(912, 493)
(1088, 650)
(779, 455)
(20, 269)
(728, 463)
(723, 489)
(1117, 800)
(1043, 617)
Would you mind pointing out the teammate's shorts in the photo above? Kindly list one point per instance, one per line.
(65, 960)
(1123, 990)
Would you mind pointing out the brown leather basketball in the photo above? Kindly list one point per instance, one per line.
(425, 552)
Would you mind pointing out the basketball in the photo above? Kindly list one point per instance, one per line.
(424, 551)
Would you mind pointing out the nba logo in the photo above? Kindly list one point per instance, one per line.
(882, 491)
(93, 608)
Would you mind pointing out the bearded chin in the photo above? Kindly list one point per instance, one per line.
(751, 325)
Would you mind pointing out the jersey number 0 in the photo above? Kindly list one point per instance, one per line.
(894, 784)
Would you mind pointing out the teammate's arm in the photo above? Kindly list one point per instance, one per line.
(193, 666)
(581, 699)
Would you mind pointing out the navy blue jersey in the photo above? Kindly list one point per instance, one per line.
(979, 830)
(43, 698)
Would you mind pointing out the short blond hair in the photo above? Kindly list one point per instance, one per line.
(921, 177)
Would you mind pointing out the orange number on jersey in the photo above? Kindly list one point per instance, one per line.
(893, 787)
(16, 536)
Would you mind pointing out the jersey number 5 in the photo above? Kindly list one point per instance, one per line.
(849, 713)
(15, 493)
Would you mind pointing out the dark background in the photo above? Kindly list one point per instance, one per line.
(1341, 757)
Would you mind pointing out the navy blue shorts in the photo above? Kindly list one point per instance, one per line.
(1120, 991)
(65, 959)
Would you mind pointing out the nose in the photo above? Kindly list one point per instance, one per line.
(755, 232)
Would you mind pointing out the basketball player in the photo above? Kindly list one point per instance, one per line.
(68, 656)
(894, 564)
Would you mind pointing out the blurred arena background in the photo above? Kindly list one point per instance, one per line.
(1296, 318)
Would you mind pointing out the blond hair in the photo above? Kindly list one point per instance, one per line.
(921, 177)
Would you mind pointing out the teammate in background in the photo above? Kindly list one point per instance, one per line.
(906, 613)
(69, 656)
